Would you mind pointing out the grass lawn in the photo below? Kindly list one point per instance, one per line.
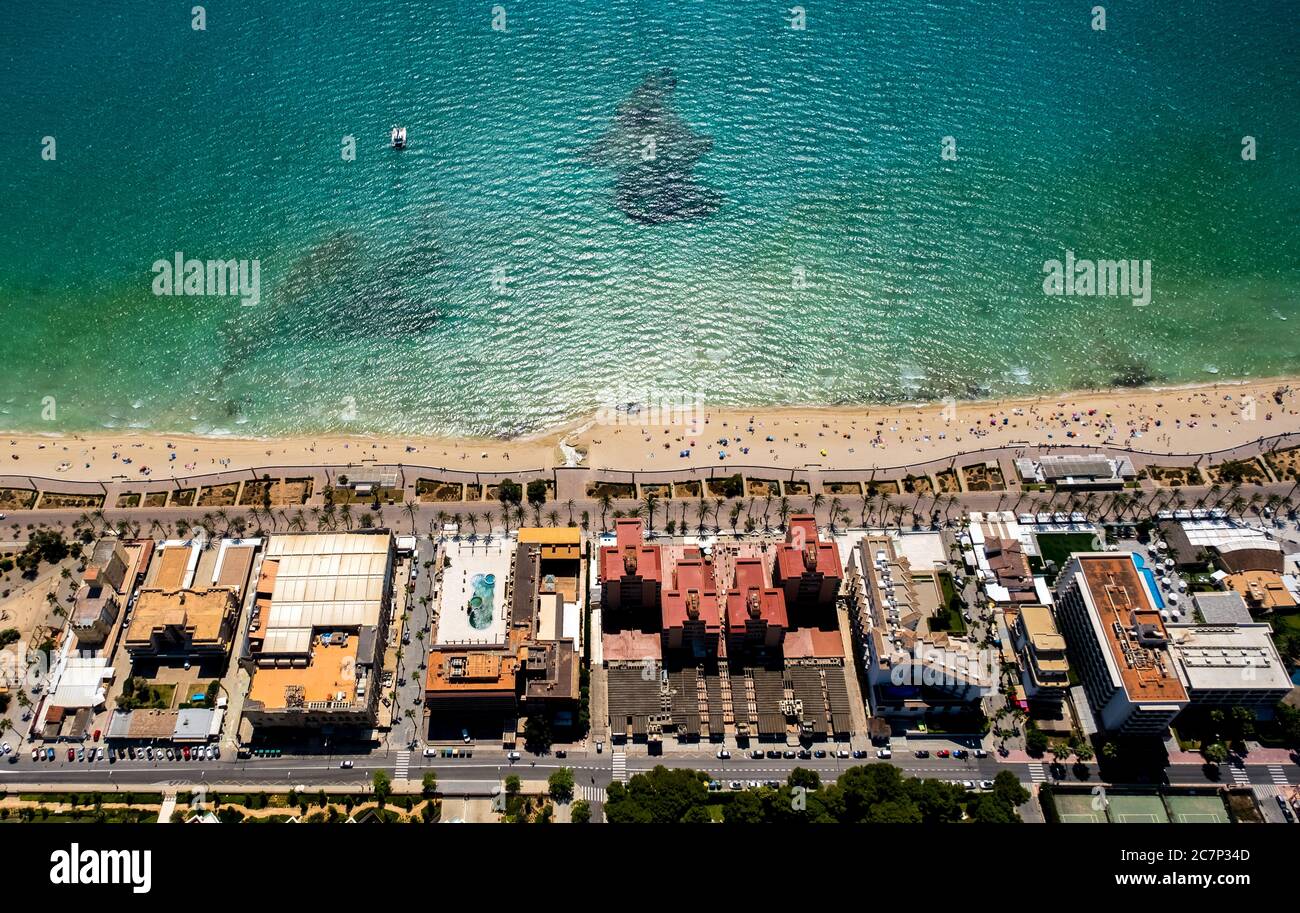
(1058, 547)
(948, 618)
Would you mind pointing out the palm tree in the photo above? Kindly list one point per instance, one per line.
(783, 510)
(817, 500)
(835, 512)
(702, 513)
(410, 509)
(472, 519)
(552, 516)
(606, 501)
(649, 502)
(569, 505)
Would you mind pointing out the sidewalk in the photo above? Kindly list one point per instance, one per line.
(1256, 756)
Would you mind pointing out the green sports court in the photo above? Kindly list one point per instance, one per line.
(1197, 810)
(1077, 808)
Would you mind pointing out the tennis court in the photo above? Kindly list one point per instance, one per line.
(1197, 810)
(1078, 808)
(1137, 810)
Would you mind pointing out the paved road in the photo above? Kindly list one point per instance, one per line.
(589, 769)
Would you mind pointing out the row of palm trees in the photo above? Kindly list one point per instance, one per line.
(766, 514)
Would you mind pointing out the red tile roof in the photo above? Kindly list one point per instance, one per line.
(693, 590)
(751, 578)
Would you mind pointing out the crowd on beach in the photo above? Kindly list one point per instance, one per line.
(1187, 420)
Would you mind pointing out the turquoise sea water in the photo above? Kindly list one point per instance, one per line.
(521, 264)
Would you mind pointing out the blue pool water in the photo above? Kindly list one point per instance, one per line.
(1141, 565)
(480, 601)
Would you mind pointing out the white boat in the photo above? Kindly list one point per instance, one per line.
(399, 137)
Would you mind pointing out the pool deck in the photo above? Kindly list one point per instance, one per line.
(464, 561)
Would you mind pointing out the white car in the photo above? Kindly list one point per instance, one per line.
(513, 756)
(724, 755)
(4, 747)
(345, 765)
(884, 754)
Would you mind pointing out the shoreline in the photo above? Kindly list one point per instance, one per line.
(1178, 419)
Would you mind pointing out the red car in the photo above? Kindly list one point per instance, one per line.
(942, 752)
(96, 738)
(72, 755)
(187, 754)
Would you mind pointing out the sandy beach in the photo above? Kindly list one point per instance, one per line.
(1193, 419)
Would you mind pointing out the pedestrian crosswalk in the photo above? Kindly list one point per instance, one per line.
(591, 793)
(620, 766)
(1239, 776)
(1277, 774)
(168, 806)
(1037, 773)
(403, 765)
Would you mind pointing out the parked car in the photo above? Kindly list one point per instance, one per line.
(923, 753)
(171, 755)
(1286, 809)
(36, 754)
(345, 765)
(789, 754)
(148, 752)
(600, 746)
(99, 754)
(981, 753)
(943, 752)
(844, 753)
(464, 736)
(756, 754)
(960, 753)
(513, 756)
(986, 784)
(884, 754)
(186, 752)
(819, 753)
(724, 755)
(715, 785)
(72, 755)
(859, 753)
(736, 784)
(968, 784)
(804, 754)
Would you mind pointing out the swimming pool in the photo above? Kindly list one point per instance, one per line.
(1152, 588)
(482, 587)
